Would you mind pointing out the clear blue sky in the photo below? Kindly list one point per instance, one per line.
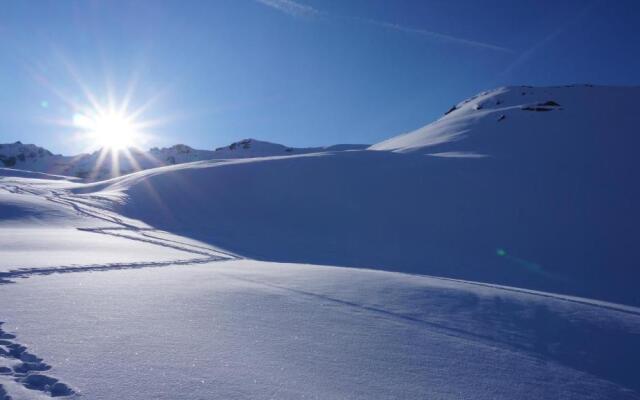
(301, 73)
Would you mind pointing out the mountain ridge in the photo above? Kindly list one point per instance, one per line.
(104, 164)
(476, 127)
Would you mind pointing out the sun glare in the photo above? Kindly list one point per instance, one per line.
(109, 130)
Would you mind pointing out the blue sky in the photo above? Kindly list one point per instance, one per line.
(301, 72)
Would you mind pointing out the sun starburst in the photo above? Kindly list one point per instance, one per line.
(111, 130)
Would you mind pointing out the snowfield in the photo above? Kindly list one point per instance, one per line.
(248, 329)
(488, 255)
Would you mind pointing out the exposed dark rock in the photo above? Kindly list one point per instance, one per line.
(181, 148)
(452, 109)
(8, 161)
(546, 106)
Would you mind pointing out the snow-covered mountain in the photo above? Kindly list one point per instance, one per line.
(528, 120)
(31, 157)
(104, 164)
(248, 148)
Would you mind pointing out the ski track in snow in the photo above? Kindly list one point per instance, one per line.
(16, 363)
(86, 209)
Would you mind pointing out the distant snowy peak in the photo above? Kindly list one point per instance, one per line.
(101, 164)
(178, 154)
(16, 153)
(30, 157)
(249, 148)
(485, 123)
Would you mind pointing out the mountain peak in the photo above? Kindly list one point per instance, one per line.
(501, 121)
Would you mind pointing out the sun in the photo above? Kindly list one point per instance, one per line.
(110, 130)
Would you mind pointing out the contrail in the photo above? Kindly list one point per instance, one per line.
(296, 9)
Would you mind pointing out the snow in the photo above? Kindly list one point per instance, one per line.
(501, 248)
(403, 212)
(504, 122)
(248, 329)
(11, 172)
(43, 228)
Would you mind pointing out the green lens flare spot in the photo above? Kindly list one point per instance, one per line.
(501, 252)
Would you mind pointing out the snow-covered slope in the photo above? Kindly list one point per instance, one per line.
(540, 121)
(255, 330)
(43, 226)
(10, 172)
(104, 164)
